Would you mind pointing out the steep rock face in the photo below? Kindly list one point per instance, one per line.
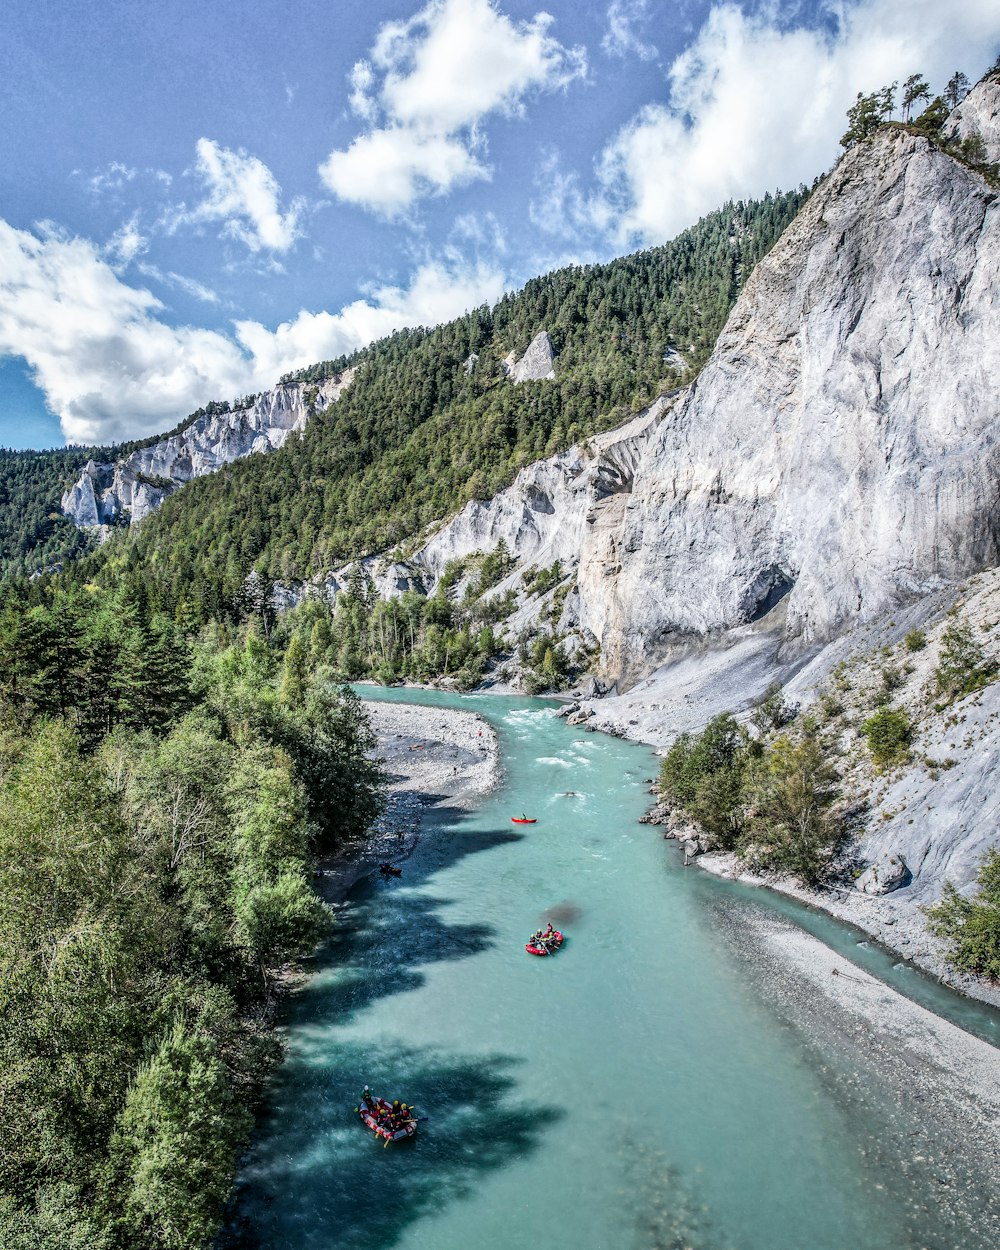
(106, 493)
(979, 114)
(840, 445)
(839, 452)
(537, 364)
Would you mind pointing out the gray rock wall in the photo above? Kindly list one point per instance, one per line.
(134, 487)
(838, 454)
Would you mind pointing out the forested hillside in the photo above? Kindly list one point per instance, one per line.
(423, 428)
(162, 797)
(34, 534)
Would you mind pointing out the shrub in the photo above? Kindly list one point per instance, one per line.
(915, 640)
(888, 734)
(789, 825)
(971, 926)
(772, 712)
(704, 776)
(963, 667)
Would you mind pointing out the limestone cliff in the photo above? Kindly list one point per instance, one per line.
(979, 114)
(536, 365)
(106, 494)
(839, 452)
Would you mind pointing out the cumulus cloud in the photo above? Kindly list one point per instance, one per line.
(243, 194)
(111, 367)
(424, 91)
(755, 103)
(622, 38)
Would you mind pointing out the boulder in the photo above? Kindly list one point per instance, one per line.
(887, 873)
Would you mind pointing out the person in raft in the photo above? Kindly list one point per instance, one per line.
(548, 932)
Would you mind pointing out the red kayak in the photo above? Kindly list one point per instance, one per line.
(545, 946)
(524, 820)
(378, 1117)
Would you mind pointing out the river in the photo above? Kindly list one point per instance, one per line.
(639, 1090)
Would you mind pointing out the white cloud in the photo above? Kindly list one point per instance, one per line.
(111, 367)
(189, 285)
(244, 195)
(126, 243)
(559, 207)
(114, 178)
(754, 104)
(622, 38)
(427, 86)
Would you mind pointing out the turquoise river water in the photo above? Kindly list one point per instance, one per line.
(637, 1090)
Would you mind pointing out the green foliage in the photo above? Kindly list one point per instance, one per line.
(155, 865)
(546, 665)
(914, 89)
(888, 733)
(541, 581)
(703, 775)
(56, 1220)
(867, 113)
(415, 435)
(971, 926)
(493, 568)
(789, 826)
(963, 666)
(772, 712)
(34, 534)
(770, 803)
(915, 640)
(176, 1143)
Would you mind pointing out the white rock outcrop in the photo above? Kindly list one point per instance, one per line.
(839, 453)
(979, 114)
(132, 488)
(536, 365)
(888, 873)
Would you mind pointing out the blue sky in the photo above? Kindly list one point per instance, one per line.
(195, 198)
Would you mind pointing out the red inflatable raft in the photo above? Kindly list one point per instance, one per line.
(545, 946)
(377, 1116)
(523, 820)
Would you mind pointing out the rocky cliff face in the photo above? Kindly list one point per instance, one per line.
(107, 494)
(536, 365)
(979, 114)
(838, 454)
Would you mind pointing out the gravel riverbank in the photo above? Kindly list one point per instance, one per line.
(432, 756)
(932, 1089)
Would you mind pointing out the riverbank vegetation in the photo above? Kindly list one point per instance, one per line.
(456, 634)
(769, 798)
(162, 797)
(971, 925)
(783, 789)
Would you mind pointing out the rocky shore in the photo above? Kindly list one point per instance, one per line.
(432, 756)
(932, 1089)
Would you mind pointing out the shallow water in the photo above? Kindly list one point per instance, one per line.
(636, 1090)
